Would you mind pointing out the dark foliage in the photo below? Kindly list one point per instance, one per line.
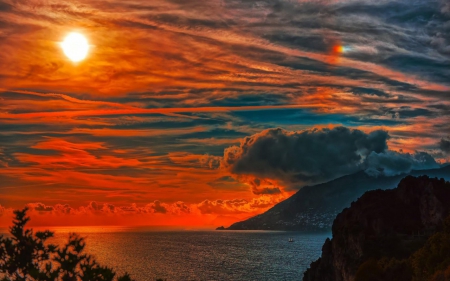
(433, 258)
(430, 263)
(391, 235)
(27, 257)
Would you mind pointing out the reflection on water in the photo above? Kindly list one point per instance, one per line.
(200, 255)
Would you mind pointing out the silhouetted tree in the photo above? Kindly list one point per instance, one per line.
(26, 257)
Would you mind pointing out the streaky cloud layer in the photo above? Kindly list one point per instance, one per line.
(183, 110)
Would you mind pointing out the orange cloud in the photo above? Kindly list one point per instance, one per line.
(206, 213)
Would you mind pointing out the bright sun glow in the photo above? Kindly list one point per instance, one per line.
(75, 46)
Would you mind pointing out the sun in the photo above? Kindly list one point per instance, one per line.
(75, 46)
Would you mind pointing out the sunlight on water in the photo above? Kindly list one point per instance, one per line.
(201, 255)
(85, 229)
(149, 253)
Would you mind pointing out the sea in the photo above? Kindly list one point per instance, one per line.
(174, 255)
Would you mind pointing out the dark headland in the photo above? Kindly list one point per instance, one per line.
(402, 234)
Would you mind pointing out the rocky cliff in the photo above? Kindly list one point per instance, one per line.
(382, 223)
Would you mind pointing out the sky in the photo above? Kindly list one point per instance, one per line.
(203, 113)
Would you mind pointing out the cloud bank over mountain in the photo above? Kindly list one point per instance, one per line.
(319, 155)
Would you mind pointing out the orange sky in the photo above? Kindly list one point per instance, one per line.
(136, 134)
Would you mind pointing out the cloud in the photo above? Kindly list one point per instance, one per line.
(210, 161)
(180, 208)
(40, 207)
(444, 145)
(4, 159)
(238, 206)
(221, 206)
(94, 206)
(195, 160)
(264, 186)
(157, 207)
(308, 156)
(63, 209)
(5, 212)
(169, 213)
(2, 210)
(318, 155)
(97, 208)
(392, 163)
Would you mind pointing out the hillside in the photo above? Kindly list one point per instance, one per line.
(396, 234)
(313, 208)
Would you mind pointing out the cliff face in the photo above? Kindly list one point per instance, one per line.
(382, 223)
(315, 207)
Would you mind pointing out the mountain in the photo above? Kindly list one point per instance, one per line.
(313, 208)
(396, 234)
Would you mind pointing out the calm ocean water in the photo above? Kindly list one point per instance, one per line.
(201, 255)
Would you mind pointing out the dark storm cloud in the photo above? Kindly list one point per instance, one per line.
(444, 145)
(318, 155)
(259, 188)
(266, 190)
(308, 156)
(393, 163)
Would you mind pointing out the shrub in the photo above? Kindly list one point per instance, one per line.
(27, 257)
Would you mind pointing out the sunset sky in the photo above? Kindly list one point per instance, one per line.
(203, 113)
